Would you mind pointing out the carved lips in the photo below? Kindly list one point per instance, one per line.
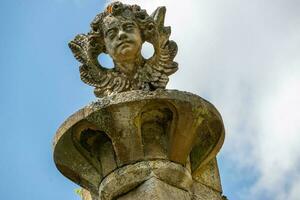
(124, 42)
(124, 45)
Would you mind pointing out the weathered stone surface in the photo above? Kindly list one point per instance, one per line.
(209, 175)
(137, 125)
(86, 195)
(156, 189)
(120, 31)
(129, 177)
(139, 141)
(202, 192)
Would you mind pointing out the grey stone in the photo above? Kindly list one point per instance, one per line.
(156, 189)
(202, 192)
(192, 129)
(129, 127)
(129, 177)
(209, 175)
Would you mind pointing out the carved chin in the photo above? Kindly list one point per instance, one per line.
(126, 50)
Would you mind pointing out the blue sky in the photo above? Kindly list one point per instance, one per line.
(40, 87)
(246, 62)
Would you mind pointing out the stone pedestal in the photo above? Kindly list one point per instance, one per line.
(154, 188)
(143, 145)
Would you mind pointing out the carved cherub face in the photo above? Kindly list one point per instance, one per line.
(120, 31)
(122, 39)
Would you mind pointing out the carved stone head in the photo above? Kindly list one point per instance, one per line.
(120, 31)
(122, 39)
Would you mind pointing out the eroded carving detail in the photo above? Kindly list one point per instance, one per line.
(120, 32)
(155, 129)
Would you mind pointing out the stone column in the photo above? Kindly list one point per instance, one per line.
(143, 145)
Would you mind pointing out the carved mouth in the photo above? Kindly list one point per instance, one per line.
(124, 42)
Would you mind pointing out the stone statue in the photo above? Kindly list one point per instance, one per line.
(138, 141)
(120, 31)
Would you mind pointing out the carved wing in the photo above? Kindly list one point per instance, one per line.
(152, 74)
(86, 48)
(90, 70)
(161, 65)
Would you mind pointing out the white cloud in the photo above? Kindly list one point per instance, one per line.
(277, 150)
(243, 56)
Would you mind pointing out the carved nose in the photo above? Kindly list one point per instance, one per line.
(122, 35)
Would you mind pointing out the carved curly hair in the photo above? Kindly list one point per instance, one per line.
(145, 22)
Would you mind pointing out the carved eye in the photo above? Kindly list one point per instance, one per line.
(111, 33)
(128, 27)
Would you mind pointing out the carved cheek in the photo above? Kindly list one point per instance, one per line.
(109, 45)
(137, 36)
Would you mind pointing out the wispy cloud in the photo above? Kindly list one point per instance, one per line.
(244, 57)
